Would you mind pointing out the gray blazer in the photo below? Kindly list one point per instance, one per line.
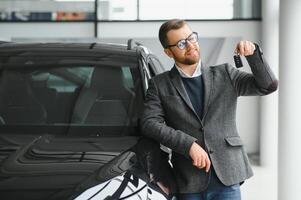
(170, 119)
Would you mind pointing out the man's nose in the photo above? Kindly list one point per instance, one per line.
(189, 44)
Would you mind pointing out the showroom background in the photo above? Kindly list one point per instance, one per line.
(257, 117)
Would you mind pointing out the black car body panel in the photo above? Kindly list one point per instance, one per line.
(69, 114)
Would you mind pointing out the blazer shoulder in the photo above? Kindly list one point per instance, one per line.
(161, 77)
(220, 67)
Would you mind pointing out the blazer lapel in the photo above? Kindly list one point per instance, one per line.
(207, 73)
(178, 83)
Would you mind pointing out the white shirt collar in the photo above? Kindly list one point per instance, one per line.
(196, 73)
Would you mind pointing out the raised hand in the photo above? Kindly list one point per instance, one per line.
(245, 48)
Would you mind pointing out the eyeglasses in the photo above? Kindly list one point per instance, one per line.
(181, 44)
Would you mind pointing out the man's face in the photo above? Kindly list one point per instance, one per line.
(190, 54)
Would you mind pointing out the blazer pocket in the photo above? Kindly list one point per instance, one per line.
(234, 141)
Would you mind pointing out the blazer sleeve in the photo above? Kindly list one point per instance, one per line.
(262, 81)
(153, 124)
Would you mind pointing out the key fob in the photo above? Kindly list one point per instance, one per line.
(237, 61)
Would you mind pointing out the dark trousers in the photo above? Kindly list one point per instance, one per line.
(216, 191)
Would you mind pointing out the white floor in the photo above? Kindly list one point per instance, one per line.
(262, 186)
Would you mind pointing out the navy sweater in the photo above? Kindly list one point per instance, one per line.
(195, 90)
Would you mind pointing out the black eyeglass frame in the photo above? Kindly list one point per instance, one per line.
(187, 39)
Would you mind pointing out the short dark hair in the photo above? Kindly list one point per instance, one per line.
(173, 24)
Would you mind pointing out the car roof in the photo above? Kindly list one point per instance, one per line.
(11, 48)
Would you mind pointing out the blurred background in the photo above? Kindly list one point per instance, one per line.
(269, 126)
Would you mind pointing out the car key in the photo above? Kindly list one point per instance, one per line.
(237, 61)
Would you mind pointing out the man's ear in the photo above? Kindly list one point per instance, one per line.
(168, 52)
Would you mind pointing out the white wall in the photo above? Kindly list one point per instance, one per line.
(45, 6)
(245, 29)
(46, 30)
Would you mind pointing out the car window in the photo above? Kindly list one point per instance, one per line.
(60, 83)
(128, 78)
(78, 96)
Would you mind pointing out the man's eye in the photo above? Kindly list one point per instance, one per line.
(192, 38)
(182, 43)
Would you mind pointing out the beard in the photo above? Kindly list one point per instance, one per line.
(188, 60)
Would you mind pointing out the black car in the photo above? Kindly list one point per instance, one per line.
(69, 113)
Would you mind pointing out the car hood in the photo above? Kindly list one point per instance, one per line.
(49, 167)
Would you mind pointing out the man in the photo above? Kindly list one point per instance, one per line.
(191, 109)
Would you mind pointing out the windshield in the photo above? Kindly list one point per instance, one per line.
(70, 96)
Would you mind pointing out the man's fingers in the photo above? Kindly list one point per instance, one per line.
(250, 50)
(245, 48)
(240, 48)
(199, 163)
(194, 163)
(203, 164)
(208, 164)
